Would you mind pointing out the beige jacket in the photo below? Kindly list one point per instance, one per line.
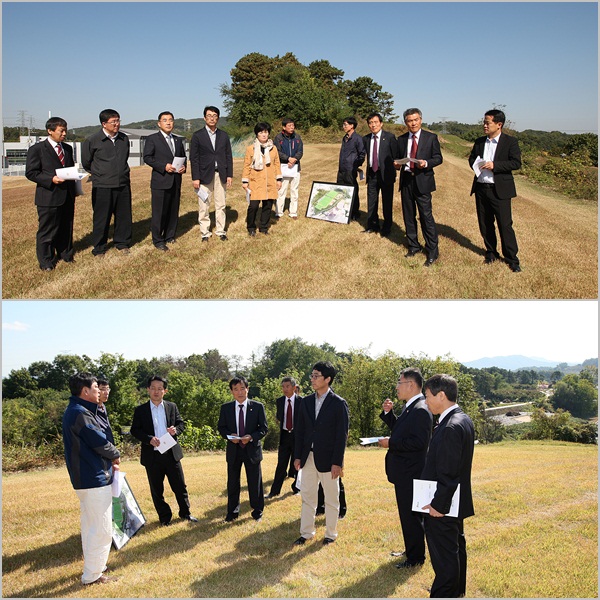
(262, 184)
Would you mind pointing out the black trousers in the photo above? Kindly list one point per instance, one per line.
(165, 214)
(448, 553)
(165, 464)
(254, 479)
(412, 524)
(490, 210)
(265, 215)
(349, 178)
(342, 498)
(376, 184)
(107, 202)
(285, 462)
(413, 200)
(54, 239)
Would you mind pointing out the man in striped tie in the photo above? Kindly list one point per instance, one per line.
(54, 197)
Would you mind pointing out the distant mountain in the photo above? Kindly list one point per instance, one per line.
(512, 363)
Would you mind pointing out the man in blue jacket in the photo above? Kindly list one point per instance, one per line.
(90, 459)
(291, 149)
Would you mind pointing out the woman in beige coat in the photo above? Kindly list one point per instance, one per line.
(261, 178)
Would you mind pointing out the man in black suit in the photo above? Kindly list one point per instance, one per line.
(417, 182)
(159, 151)
(405, 458)
(151, 421)
(381, 149)
(499, 156)
(54, 197)
(243, 423)
(286, 413)
(212, 172)
(321, 435)
(105, 155)
(448, 462)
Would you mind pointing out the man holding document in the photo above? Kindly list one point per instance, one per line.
(291, 149)
(165, 153)
(448, 463)
(157, 424)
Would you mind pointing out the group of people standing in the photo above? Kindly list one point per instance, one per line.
(270, 168)
(313, 438)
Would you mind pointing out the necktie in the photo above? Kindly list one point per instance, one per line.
(289, 423)
(171, 145)
(413, 151)
(375, 165)
(241, 427)
(61, 154)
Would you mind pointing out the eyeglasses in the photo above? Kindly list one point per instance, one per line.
(315, 376)
(401, 382)
(113, 122)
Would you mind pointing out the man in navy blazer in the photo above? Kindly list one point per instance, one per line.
(417, 182)
(448, 462)
(243, 423)
(159, 151)
(495, 187)
(151, 421)
(54, 197)
(321, 435)
(212, 172)
(381, 150)
(405, 458)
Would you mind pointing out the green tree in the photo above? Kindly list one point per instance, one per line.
(576, 395)
(18, 384)
(366, 96)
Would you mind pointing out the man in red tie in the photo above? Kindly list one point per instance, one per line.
(54, 197)
(286, 412)
(417, 182)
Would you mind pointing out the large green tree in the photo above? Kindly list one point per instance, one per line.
(576, 394)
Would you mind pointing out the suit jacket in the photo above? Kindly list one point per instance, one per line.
(388, 151)
(506, 160)
(42, 162)
(449, 462)
(429, 150)
(158, 155)
(408, 443)
(326, 435)
(281, 408)
(142, 428)
(256, 426)
(203, 156)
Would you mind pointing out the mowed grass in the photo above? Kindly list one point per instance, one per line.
(308, 258)
(535, 534)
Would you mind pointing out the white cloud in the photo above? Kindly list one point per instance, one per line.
(15, 326)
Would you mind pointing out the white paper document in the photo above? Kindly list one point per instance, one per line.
(117, 483)
(70, 174)
(248, 193)
(203, 195)
(178, 162)
(234, 437)
(423, 493)
(289, 172)
(166, 441)
(298, 483)
(371, 440)
(477, 165)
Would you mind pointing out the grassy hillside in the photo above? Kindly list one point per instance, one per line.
(307, 258)
(535, 534)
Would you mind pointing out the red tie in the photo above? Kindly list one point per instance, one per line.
(61, 154)
(375, 165)
(413, 152)
(289, 422)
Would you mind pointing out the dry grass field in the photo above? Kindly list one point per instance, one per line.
(534, 535)
(307, 258)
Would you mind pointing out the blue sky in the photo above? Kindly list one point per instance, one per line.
(561, 331)
(451, 59)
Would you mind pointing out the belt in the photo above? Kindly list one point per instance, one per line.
(488, 185)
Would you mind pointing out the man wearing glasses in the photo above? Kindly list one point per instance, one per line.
(321, 435)
(405, 458)
(105, 155)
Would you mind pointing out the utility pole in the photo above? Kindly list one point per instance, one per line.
(444, 130)
(22, 121)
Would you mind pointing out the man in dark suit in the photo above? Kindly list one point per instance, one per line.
(151, 421)
(448, 462)
(159, 151)
(243, 423)
(212, 172)
(321, 435)
(499, 155)
(105, 155)
(405, 458)
(286, 413)
(54, 197)
(381, 150)
(417, 182)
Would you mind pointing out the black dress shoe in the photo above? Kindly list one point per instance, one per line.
(412, 253)
(320, 510)
(252, 233)
(327, 541)
(171, 241)
(257, 516)
(47, 268)
(269, 496)
(230, 518)
(266, 232)
(190, 519)
(162, 247)
(407, 564)
(429, 262)
(165, 523)
(489, 260)
(223, 238)
(205, 239)
(369, 231)
(300, 541)
(515, 268)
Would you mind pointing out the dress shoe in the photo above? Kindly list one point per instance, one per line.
(300, 541)
(190, 519)
(165, 523)
(205, 239)
(265, 232)
(223, 238)
(124, 250)
(369, 231)
(103, 579)
(429, 262)
(412, 253)
(230, 518)
(342, 515)
(162, 247)
(489, 260)
(69, 260)
(515, 268)
(269, 496)
(320, 511)
(257, 516)
(47, 268)
(407, 564)
(171, 241)
(327, 541)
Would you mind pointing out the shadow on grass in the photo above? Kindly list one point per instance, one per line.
(459, 238)
(45, 557)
